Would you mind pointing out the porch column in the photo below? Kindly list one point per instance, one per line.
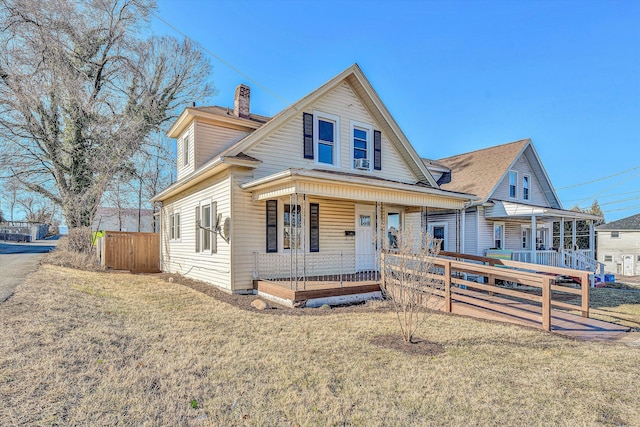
(561, 244)
(592, 245)
(534, 235)
(573, 242)
(462, 230)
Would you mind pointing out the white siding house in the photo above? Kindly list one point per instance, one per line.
(619, 246)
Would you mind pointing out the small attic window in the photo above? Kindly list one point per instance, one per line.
(185, 150)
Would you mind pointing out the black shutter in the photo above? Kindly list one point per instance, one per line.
(377, 150)
(307, 120)
(314, 227)
(272, 226)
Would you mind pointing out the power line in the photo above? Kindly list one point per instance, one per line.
(609, 188)
(608, 195)
(598, 179)
(619, 201)
(628, 208)
(228, 64)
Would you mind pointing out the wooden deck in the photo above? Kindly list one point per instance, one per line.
(314, 289)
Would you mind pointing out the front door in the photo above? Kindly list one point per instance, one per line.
(365, 238)
(627, 265)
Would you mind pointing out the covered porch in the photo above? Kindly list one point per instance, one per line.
(325, 230)
(545, 236)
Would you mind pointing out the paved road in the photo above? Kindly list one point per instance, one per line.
(17, 261)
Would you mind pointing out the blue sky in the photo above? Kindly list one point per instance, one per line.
(456, 75)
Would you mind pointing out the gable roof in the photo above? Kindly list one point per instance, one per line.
(480, 172)
(363, 89)
(629, 223)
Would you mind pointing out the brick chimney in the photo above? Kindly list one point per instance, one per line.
(241, 101)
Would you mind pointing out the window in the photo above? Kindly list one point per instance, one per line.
(513, 184)
(525, 186)
(525, 238)
(206, 227)
(439, 233)
(292, 227)
(615, 234)
(608, 258)
(498, 235)
(361, 138)
(185, 150)
(174, 226)
(393, 227)
(326, 131)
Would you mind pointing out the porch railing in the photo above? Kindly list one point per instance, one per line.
(579, 259)
(299, 269)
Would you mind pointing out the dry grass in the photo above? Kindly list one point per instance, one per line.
(64, 255)
(620, 304)
(82, 348)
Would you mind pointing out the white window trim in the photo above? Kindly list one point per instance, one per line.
(185, 150)
(213, 217)
(432, 225)
(524, 175)
(369, 128)
(392, 210)
(493, 234)
(516, 184)
(304, 224)
(319, 115)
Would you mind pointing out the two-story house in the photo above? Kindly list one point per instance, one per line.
(314, 191)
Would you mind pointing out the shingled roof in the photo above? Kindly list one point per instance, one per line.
(479, 172)
(629, 223)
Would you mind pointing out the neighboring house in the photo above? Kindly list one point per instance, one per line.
(619, 246)
(315, 190)
(514, 212)
(124, 219)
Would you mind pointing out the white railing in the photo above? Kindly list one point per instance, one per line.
(300, 268)
(546, 257)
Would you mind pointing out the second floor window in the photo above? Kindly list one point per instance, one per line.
(525, 187)
(513, 184)
(185, 150)
(326, 141)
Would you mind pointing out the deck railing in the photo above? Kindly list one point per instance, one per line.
(454, 270)
(298, 269)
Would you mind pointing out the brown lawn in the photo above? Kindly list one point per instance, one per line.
(80, 348)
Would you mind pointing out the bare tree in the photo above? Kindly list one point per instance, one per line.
(81, 92)
(410, 279)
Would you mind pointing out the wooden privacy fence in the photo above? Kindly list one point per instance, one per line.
(450, 283)
(136, 252)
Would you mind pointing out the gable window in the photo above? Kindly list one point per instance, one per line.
(615, 234)
(513, 184)
(292, 227)
(361, 138)
(174, 226)
(185, 150)
(498, 235)
(525, 187)
(326, 138)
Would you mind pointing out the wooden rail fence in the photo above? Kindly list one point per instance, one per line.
(136, 252)
(451, 278)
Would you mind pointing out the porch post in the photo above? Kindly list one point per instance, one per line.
(561, 245)
(534, 235)
(573, 242)
(462, 230)
(592, 246)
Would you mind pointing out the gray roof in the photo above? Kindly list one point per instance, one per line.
(629, 223)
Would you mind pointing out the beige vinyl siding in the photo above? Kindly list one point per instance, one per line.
(213, 140)
(283, 149)
(180, 256)
(184, 170)
(249, 235)
(523, 167)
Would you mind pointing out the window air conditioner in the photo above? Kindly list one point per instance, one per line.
(361, 164)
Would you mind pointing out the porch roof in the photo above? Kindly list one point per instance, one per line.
(338, 185)
(512, 210)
